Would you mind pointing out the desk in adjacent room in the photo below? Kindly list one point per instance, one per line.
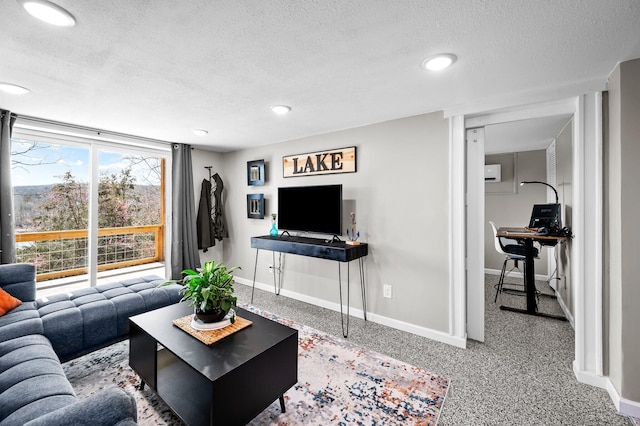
(528, 237)
(319, 248)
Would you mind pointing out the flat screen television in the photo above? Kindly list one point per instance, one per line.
(316, 209)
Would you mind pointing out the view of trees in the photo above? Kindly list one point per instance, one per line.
(64, 206)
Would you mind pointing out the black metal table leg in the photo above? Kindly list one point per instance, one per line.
(362, 288)
(344, 333)
(530, 286)
(277, 284)
(255, 268)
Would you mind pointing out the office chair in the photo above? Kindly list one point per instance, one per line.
(514, 252)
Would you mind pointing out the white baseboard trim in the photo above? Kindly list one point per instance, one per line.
(418, 330)
(625, 407)
(358, 313)
(629, 408)
(590, 378)
(354, 312)
(516, 274)
(565, 310)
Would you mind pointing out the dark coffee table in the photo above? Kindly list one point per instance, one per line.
(227, 383)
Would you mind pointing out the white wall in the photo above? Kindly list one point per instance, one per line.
(400, 195)
(624, 234)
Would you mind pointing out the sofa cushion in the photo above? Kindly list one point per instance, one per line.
(19, 280)
(111, 406)
(86, 319)
(32, 382)
(63, 327)
(137, 295)
(96, 330)
(7, 302)
(51, 307)
(127, 305)
(21, 321)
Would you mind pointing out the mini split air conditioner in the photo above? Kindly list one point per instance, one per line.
(492, 172)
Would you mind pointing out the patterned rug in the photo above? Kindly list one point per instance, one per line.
(338, 382)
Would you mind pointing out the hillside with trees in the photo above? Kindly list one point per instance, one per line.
(64, 206)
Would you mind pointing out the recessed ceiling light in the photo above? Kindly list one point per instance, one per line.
(439, 62)
(200, 132)
(280, 109)
(13, 89)
(48, 12)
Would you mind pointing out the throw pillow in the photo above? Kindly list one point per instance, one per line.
(7, 302)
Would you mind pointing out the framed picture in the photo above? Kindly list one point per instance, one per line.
(255, 172)
(255, 206)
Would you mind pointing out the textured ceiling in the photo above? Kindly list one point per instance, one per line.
(523, 135)
(161, 68)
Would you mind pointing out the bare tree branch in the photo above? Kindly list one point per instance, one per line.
(21, 158)
(151, 174)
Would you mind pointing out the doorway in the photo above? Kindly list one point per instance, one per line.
(586, 249)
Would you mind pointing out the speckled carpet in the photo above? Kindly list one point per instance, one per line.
(338, 382)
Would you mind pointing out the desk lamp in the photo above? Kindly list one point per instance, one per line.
(543, 183)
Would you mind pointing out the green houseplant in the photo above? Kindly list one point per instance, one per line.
(210, 291)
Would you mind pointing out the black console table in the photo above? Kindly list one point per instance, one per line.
(319, 248)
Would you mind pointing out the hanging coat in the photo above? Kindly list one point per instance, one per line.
(219, 228)
(204, 224)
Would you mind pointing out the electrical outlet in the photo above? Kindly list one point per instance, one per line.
(386, 291)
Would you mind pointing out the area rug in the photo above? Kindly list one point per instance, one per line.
(338, 383)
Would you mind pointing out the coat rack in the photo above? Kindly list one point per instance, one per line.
(209, 168)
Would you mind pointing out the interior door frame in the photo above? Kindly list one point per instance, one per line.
(586, 248)
(474, 218)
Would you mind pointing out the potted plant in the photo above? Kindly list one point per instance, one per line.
(210, 291)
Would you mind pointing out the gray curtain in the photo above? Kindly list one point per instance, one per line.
(184, 237)
(7, 221)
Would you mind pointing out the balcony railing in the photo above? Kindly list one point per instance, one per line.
(60, 254)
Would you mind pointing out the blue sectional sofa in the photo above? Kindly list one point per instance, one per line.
(38, 334)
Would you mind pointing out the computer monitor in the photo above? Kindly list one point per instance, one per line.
(545, 215)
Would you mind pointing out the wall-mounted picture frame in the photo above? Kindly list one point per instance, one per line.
(341, 160)
(255, 172)
(255, 206)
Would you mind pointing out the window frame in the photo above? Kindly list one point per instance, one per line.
(96, 141)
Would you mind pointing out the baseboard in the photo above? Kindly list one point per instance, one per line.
(624, 406)
(358, 313)
(355, 312)
(566, 311)
(590, 378)
(516, 274)
(418, 330)
(629, 408)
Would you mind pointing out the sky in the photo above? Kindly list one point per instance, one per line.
(47, 162)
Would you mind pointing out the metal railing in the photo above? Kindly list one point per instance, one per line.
(59, 254)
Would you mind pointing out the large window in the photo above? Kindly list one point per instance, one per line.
(56, 182)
